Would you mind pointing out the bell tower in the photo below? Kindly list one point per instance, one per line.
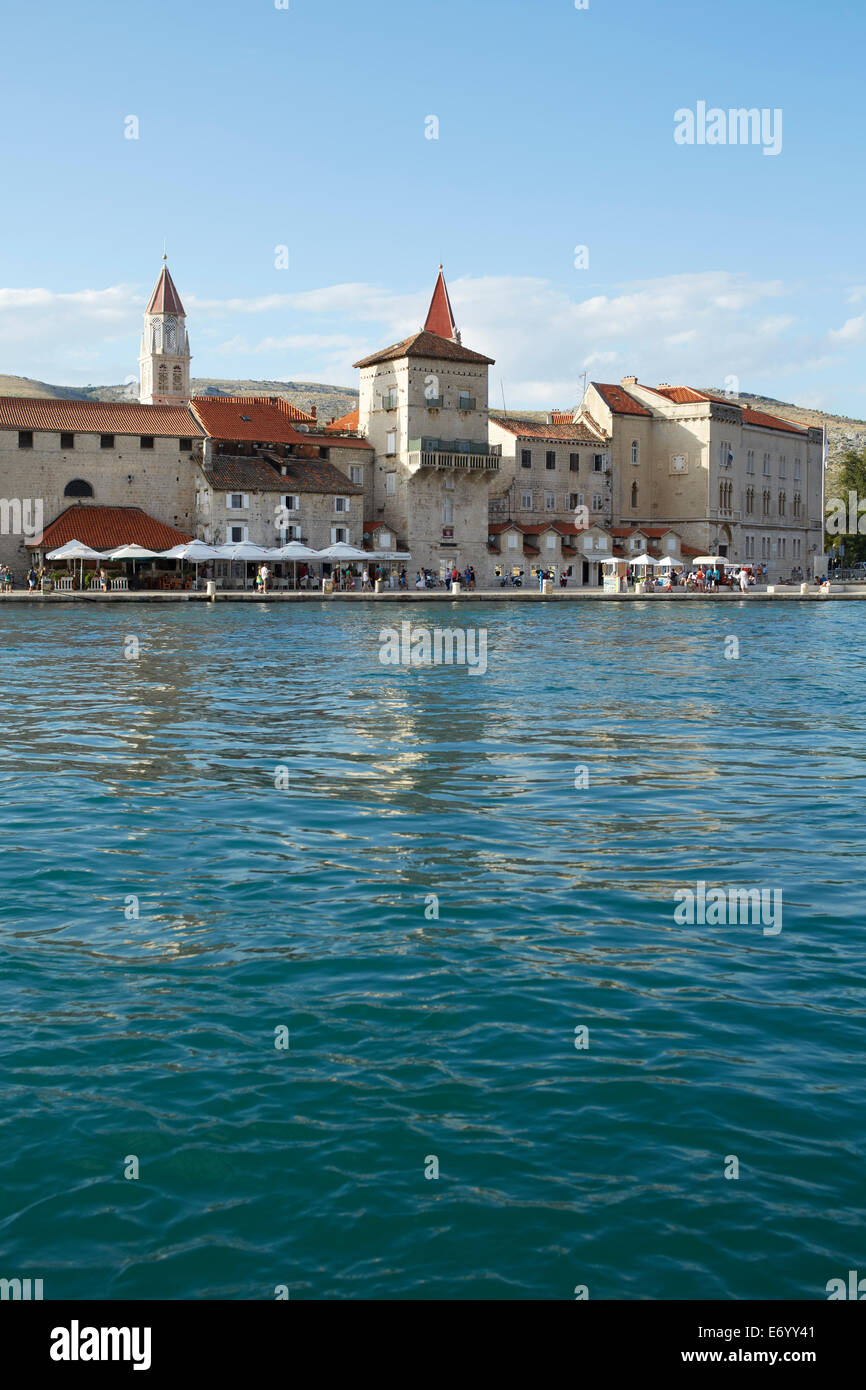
(165, 357)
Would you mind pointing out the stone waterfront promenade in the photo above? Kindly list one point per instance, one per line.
(787, 594)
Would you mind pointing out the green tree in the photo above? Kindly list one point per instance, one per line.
(850, 476)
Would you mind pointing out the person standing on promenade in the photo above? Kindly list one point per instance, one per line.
(366, 586)
(744, 581)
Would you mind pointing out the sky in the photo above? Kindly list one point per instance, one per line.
(309, 125)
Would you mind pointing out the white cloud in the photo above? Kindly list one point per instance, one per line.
(694, 327)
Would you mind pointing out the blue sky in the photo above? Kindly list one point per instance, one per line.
(305, 127)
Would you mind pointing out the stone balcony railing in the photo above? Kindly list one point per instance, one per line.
(479, 463)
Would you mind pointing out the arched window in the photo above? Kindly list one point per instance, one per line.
(635, 451)
(78, 488)
(177, 376)
(634, 494)
(163, 378)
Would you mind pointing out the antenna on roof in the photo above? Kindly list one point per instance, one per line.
(502, 389)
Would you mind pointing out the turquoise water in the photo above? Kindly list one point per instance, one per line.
(413, 1037)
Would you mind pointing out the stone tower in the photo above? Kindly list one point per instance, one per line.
(165, 357)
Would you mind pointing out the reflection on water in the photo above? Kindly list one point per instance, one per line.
(165, 908)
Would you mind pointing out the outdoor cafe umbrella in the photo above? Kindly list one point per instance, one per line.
(343, 553)
(714, 560)
(133, 552)
(644, 559)
(295, 551)
(195, 551)
(75, 550)
(245, 551)
(669, 560)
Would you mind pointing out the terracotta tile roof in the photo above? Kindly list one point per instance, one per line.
(535, 528)
(165, 298)
(531, 429)
(346, 422)
(268, 419)
(227, 473)
(425, 344)
(687, 395)
(106, 528)
(440, 317)
(691, 549)
(619, 401)
(96, 417)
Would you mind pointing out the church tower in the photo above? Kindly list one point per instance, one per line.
(165, 357)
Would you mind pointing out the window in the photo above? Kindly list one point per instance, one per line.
(782, 548)
(386, 540)
(236, 534)
(726, 453)
(511, 540)
(597, 462)
(766, 465)
(177, 379)
(574, 462)
(237, 501)
(341, 504)
(634, 495)
(391, 442)
(163, 378)
(550, 501)
(466, 401)
(67, 441)
(635, 451)
(389, 399)
(550, 541)
(575, 500)
(449, 484)
(356, 473)
(750, 500)
(782, 503)
(796, 470)
(750, 461)
(185, 445)
(798, 501)
(146, 441)
(525, 458)
(291, 503)
(25, 439)
(448, 511)
(526, 501)
(106, 441)
(78, 488)
(783, 466)
(596, 502)
(339, 535)
(391, 484)
(550, 458)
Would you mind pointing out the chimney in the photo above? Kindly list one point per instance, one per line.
(665, 386)
(313, 411)
(628, 381)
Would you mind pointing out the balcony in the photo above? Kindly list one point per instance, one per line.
(435, 403)
(466, 403)
(478, 463)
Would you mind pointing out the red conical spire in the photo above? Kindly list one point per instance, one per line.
(165, 298)
(440, 318)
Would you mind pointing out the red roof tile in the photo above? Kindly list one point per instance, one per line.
(531, 429)
(440, 317)
(425, 345)
(561, 417)
(165, 298)
(687, 395)
(95, 417)
(268, 419)
(619, 400)
(107, 528)
(352, 421)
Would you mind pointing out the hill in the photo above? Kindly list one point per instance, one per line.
(330, 401)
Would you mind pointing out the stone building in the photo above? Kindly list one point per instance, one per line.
(728, 479)
(423, 408)
(54, 453)
(267, 474)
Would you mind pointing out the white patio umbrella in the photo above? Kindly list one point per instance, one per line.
(295, 551)
(133, 552)
(195, 551)
(75, 550)
(716, 560)
(246, 552)
(644, 559)
(343, 553)
(669, 560)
